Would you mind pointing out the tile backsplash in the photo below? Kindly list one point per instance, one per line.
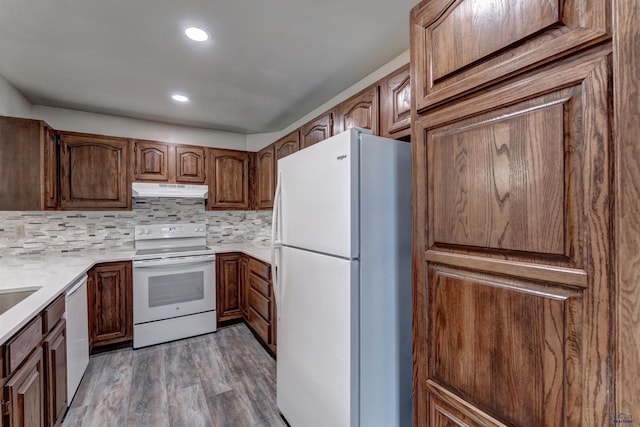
(37, 232)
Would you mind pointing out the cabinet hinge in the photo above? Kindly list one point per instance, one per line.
(5, 407)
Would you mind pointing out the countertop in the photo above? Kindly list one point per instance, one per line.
(52, 275)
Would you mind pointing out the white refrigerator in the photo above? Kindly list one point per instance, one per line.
(342, 282)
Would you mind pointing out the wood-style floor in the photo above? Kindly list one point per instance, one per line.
(220, 379)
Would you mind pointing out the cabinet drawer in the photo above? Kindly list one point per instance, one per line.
(259, 325)
(259, 303)
(259, 268)
(52, 314)
(22, 344)
(259, 285)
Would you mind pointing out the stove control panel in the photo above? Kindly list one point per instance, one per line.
(169, 231)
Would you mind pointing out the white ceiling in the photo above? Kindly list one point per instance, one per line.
(268, 62)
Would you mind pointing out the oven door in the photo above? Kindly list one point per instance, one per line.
(173, 287)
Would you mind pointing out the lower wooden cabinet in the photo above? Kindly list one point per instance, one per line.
(244, 290)
(229, 286)
(55, 352)
(110, 295)
(24, 395)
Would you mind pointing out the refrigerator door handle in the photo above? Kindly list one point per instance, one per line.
(276, 243)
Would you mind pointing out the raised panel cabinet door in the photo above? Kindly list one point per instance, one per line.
(94, 172)
(190, 164)
(395, 104)
(151, 161)
(265, 177)
(244, 285)
(361, 110)
(111, 306)
(25, 394)
(228, 179)
(512, 252)
(287, 145)
(50, 169)
(229, 280)
(463, 45)
(316, 130)
(55, 350)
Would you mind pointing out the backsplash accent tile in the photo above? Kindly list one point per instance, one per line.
(41, 232)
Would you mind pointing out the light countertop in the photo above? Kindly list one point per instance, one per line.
(52, 275)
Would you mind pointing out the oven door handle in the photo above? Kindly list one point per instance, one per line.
(172, 262)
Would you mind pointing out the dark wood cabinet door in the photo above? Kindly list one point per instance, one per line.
(361, 110)
(512, 253)
(151, 161)
(395, 104)
(25, 394)
(244, 283)
(50, 169)
(287, 145)
(110, 303)
(228, 179)
(316, 130)
(461, 46)
(94, 172)
(190, 164)
(265, 177)
(229, 286)
(55, 350)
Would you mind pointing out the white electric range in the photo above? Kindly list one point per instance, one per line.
(174, 284)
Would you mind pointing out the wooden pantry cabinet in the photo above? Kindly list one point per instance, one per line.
(94, 172)
(162, 162)
(228, 179)
(514, 194)
(34, 371)
(110, 299)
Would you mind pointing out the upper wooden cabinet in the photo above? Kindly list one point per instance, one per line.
(190, 164)
(316, 130)
(28, 165)
(287, 145)
(361, 110)
(94, 172)
(265, 177)
(228, 179)
(463, 45)
(395, 104)
(158, 161)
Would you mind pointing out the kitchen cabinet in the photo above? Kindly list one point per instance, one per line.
(109, 291)
(317, 130)
(361, 110)
(162, 162)
(265, 177)
(244, 280)
(28, 165)
(513, 164)
(55, 351)
(261, 302)
(24, 394)
(229, 287)
(94, 172)
(228, 175)
(395, 104)
(286, 145)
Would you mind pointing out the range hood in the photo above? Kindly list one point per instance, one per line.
(149, 189)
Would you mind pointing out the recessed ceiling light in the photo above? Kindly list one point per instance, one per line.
(196, 34)
(179, 98)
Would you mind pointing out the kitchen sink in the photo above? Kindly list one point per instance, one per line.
(11, 298)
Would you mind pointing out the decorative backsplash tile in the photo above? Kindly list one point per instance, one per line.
(38, 232)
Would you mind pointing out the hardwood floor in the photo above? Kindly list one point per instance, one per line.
(220, 379)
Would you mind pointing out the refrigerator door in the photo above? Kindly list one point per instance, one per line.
(317, 373)
(319, 196)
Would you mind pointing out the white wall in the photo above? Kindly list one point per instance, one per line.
(12, 101)
(258, 141)
(103, 124)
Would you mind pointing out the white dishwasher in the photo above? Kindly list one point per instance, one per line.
(77, 336)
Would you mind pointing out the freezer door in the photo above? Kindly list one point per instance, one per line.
(319, 196)
(317, 375)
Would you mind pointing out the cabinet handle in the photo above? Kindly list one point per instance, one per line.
(5, 407)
